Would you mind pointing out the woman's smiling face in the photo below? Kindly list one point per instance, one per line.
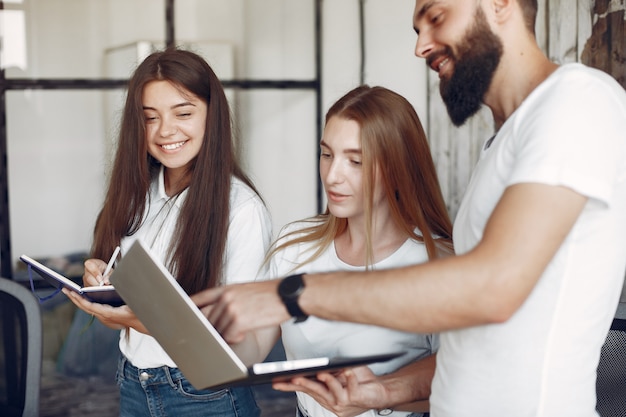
(175, 124)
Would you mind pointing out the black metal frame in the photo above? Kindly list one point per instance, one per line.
(6, 269)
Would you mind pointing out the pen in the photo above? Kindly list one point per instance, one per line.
(110, 264)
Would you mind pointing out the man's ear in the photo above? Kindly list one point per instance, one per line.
(502, 9)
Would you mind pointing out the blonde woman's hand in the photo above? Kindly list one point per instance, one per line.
(346, 394)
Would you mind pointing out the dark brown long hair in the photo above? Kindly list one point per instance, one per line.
(394, 143)
(199, 242)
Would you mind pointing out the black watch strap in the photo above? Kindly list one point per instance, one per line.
(289, 291)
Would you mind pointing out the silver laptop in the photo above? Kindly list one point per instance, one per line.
(199, 351)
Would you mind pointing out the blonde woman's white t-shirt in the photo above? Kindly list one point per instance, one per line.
(317, 337)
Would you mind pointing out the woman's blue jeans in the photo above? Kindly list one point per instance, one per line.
(164, 391)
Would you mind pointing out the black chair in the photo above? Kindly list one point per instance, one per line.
(21, 354)
(611, 383)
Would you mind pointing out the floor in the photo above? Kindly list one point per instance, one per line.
(84, 344)
(71, 332)
(63, 396)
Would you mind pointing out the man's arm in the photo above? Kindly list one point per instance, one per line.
(486, 285)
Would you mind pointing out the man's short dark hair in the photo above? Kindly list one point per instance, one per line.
(529, 11)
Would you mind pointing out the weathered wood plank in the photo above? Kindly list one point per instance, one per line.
(439, 132)
(617, 35)
(455, 150)
(562, 31)
(585, 24)
(605, 46)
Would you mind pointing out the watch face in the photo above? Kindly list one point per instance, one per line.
(385, 412)
(291, 285)
(289, 290)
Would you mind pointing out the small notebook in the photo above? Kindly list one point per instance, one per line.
(187, 336)
(105, 294)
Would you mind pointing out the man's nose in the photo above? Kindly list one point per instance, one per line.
(423, 45)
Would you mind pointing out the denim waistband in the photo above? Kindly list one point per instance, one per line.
(149, 376)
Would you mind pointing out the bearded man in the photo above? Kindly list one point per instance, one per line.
(525, 305)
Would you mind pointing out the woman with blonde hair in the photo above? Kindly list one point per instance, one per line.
(385, 210)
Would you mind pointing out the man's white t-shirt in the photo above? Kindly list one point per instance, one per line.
(571, 132)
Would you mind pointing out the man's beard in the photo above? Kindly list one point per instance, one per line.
(475, 63)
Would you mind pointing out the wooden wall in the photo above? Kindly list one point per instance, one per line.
(588, 31)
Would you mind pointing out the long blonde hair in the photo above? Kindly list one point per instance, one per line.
(393, 142)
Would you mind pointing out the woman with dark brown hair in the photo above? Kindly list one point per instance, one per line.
(176, 185)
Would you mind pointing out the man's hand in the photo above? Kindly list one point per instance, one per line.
(235, 310)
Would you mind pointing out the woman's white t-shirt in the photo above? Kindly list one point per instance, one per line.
(317, 337)
(249, 236)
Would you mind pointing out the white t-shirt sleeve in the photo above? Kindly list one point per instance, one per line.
(249, 237)
(561, 147)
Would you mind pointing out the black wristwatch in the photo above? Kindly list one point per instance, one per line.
(289, 291)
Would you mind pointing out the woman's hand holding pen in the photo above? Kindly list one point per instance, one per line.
(97, 272)
(93, 273)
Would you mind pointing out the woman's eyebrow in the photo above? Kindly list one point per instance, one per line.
(183, 104)
(346, 151)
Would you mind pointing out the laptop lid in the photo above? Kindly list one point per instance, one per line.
(188, 337)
